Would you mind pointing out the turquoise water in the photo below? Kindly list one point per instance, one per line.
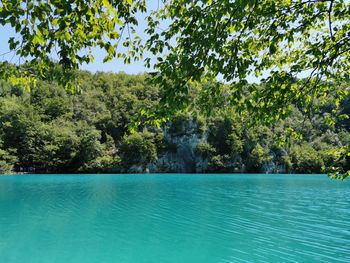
(174, 218)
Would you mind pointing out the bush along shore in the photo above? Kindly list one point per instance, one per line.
(52, 130)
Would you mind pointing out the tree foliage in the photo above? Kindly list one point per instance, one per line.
(52, 130)
(138, 149)
(278, 40)
(231, 39)
(67, 31)
(299, 49)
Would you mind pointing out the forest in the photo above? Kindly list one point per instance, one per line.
(294, 120)
(185, 130)
(50, 129)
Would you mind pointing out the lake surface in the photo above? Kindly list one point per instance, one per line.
(174, 218)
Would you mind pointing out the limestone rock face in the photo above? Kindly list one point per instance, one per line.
(183, 158)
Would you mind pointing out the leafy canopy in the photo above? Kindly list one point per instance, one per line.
(282, 42)
(299, 48)
(68, 30)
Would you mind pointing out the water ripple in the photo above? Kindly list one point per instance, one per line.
(174, 218)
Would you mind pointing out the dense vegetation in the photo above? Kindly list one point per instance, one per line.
(189, 40)
(50, 129)
(278, 41)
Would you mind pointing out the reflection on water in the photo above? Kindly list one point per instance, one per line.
(174, 218)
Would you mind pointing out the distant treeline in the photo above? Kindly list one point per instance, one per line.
(49, 129)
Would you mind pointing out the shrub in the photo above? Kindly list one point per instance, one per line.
(204, 149)
(103, 163)
(258, 156)
(306, 159)
(219, 163)
(138, 149)
(179, 124)
(219, 130)
(7, 161)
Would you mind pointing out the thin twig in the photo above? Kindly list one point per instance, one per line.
(330, 19)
